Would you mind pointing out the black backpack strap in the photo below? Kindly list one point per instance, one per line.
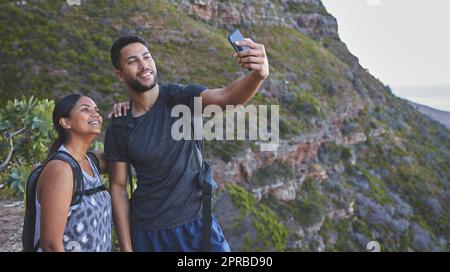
(206, 194)
(78, 184)
(94, 159)
(79, 191)
(29, 220)
(207, 217)
(92, 191)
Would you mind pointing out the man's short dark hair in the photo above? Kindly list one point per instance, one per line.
(121, 43)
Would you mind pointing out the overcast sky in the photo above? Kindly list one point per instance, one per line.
(404, 43)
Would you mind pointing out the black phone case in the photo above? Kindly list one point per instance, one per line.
(237, 36)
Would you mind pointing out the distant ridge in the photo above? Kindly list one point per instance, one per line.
(441, 116)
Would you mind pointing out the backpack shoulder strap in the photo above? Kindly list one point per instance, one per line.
(78, 184)
(29, 219)
(207, 184)
(94, 159)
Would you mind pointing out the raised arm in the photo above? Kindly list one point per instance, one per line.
(241, 90)
(120, 203)
(54, 193)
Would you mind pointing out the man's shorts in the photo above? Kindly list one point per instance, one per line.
(184, 238)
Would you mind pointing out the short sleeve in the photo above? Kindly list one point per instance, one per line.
(185, 94)
(114, 151)
(195, 89)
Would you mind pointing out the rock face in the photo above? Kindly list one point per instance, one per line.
(307, 16)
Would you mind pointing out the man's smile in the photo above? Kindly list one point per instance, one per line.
(145, 75)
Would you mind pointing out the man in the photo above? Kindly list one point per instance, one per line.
(165, 209)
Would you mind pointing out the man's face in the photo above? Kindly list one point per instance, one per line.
(138, 69)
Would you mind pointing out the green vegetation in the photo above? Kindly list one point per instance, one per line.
(271, 233)
(224, 149)
(377, 189)
(277, 171)
(26, 124)
(309, 207)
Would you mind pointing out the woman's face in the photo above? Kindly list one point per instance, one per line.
(85, 118)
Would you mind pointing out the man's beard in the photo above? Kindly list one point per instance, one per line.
(138, 87)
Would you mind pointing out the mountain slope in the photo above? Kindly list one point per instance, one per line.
(355, 163)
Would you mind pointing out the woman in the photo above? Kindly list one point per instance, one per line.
(86, 226)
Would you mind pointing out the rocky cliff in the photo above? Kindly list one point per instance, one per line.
(330, 156)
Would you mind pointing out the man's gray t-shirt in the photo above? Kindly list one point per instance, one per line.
(167, 194)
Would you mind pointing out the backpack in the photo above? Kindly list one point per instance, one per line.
(29, 222)
(123, 127)
(207, 183)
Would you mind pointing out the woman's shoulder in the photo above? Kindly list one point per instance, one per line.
(57, 168)
(56, 180)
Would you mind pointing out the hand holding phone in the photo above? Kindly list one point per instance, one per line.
(250, 55)
(234, 37)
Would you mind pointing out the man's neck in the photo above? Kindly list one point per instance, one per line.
(143, 102)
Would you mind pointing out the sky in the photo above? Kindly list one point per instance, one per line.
(404, 43)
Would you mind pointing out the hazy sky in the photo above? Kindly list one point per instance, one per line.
(404, 43)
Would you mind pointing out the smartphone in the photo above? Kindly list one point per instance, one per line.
(237, 36)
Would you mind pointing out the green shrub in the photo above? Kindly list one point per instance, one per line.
(278, 171)
(309, 206)
(225, 150)
(32, 121)
(271, 233)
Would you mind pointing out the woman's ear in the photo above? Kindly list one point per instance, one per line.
(64, 122)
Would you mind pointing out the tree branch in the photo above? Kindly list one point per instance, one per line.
(16, 132)
(11, 147)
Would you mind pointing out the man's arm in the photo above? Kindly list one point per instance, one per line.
(241, 90)
(120, 203)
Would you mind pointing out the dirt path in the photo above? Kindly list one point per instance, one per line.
(11, 225)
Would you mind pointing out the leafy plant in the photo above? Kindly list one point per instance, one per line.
(26, 127)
